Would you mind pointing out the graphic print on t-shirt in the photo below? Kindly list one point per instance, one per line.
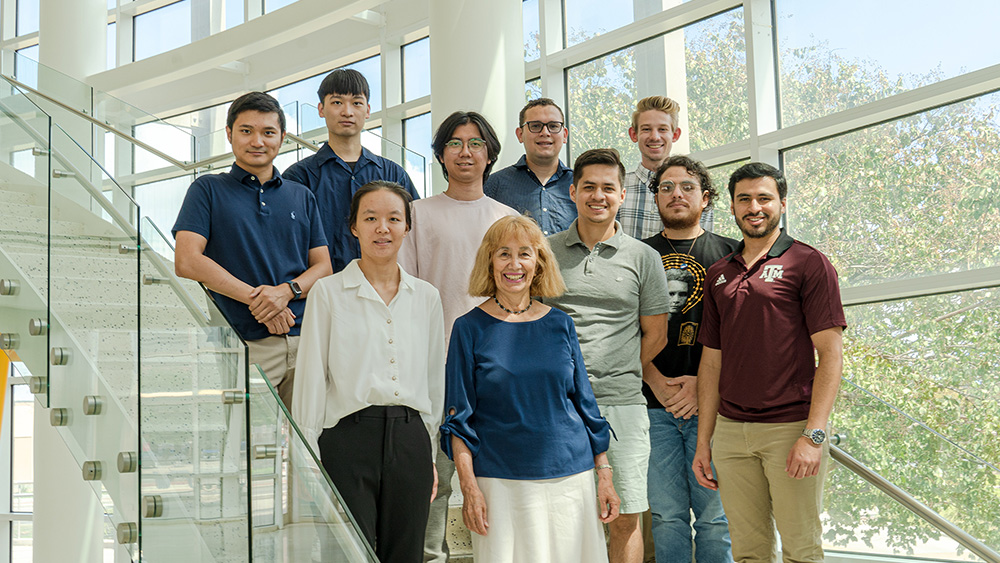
(685, 282)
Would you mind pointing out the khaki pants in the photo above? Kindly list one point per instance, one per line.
(758, 495)
(276, 356)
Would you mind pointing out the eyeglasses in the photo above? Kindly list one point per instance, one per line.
(536, 126)
(474, 144)
(667, 187)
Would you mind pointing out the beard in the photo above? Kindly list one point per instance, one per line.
(679, 222)
(768, 227)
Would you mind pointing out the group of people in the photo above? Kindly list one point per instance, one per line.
(574, 343)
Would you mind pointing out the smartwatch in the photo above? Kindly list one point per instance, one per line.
(296, 290)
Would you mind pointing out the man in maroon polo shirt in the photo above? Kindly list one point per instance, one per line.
(770, 308)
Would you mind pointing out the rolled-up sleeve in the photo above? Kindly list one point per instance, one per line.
(598, 429)
(460, 390)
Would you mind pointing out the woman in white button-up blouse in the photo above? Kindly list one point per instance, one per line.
(369, 384)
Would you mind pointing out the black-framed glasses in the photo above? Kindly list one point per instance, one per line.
(667, 187)
(475, 145)
(536, 126)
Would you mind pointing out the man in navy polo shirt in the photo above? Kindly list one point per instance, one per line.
(342, 165)
(255, 240)
(538, 184)
(771, 308)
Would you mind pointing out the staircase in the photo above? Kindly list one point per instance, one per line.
(150, 389)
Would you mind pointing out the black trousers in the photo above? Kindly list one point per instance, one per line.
(380, 460)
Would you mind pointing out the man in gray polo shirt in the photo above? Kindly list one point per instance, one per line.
(617, 297)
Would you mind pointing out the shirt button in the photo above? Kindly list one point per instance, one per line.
(397, 393)
(545, 232)
(264, 204)
(388, 321)
(392, 360)
(262, 190)
(254, 178)
(545, 209)
(390, 341)
(394, 378)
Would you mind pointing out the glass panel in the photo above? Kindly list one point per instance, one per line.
(162, 200)
(824, 70)
(603, 92)
(166, 138)
(590, 18)
(950, 480)
(20, 542)
(193, 456)
(371, 68)
(417, 69)
(722, 218)
(234, 14)
(112, 45)
(93, 292)
(417, 138)
(272, 5)
(27, 16)
(860, 522)
(318, 525)
(909, 198)
(532, 89)
(161, 30)
(23, 238)
(26, 65)
(529, 13)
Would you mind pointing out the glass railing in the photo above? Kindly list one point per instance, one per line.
(953, 482)
(24, 259)
(297, 510)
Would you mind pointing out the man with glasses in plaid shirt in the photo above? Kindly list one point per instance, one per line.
(538, 184)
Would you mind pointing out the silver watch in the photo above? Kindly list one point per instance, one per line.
(817, 435)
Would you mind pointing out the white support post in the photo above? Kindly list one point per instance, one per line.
(762, 76)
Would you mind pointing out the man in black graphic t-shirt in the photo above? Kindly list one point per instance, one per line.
(683, 190)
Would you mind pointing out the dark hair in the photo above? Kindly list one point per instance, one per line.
(694, 168)
(538, 102)
(374, 187)
(456, 120)
(758, 170)
(254, 101)
(607, 157)
(344, 81)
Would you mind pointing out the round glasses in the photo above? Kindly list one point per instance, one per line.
(474, 144)
(536, 126)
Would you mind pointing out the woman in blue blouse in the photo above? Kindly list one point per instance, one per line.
(523, 427)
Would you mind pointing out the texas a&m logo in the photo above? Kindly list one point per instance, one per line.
(771, 272)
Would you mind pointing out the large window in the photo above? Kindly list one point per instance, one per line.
(690, 65)
(417, 69)
(161, 30)
(27, 16)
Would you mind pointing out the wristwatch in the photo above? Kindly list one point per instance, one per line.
(817, 435)
(296, 290)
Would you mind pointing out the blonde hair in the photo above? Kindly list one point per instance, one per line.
(548, 282)
(659, 103)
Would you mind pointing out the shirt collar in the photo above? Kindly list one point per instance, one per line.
(783, 243)
(522, 163)
(354, 277)
(326, 153)
(573, 236)
(643, 173)
(241, 176)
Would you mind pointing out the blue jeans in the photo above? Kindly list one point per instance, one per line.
(673, 493)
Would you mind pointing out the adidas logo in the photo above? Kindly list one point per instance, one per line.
(721, 279)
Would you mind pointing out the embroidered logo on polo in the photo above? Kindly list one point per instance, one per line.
(721, 279)
(771, 272)
(293, 215)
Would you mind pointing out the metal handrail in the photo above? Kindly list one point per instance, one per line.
(915, 506)
(183, 165)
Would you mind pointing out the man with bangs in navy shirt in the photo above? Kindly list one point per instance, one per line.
(255, 240)
(342, 164)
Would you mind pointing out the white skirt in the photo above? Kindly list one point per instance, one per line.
(545, 521)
